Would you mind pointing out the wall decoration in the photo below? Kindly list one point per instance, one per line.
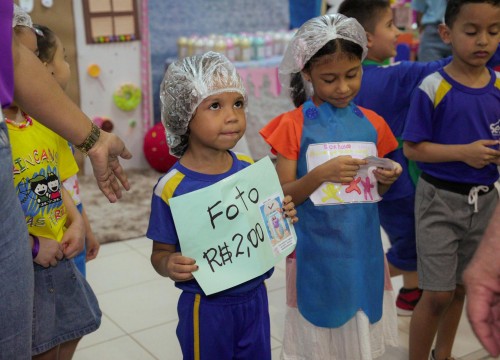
(103, 123)
(94, 71)
(127, 97)
(110, 21)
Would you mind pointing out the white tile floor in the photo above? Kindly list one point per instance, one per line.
(139, 311)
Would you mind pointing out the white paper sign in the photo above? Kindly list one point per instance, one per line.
(362, 189)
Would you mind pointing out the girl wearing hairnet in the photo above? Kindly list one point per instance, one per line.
(203, 111)
(321, 149)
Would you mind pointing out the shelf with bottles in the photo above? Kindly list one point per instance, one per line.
(242, 47)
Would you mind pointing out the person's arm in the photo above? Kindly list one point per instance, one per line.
(386, 177)
(482, 284)
(169, 263)
(74, 235)
(37, 93)
(341, 169)
(476, 154)
(50, 251)
(91, 244)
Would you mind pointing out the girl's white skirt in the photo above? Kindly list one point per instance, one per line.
(355, 340)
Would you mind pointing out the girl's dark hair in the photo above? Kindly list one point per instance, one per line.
(453, 8)
(47, 43)
(350, 49)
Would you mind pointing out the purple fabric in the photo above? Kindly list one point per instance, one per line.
(6, 65)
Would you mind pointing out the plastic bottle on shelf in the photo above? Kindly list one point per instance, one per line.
(230, 50)
(220, 45)
(258, 48)
(268, 45)
(191, 45)
(199, 46)
(209, 45)
(245, 49)
(237, 49)
(277, 43)
(182, 47)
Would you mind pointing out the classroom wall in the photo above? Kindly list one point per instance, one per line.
(169, 19)
(120, 64)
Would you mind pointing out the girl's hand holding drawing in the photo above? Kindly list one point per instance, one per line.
(342, 169)
(289, 210)
(388, 176)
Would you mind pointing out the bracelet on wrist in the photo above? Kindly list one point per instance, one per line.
(36, 246)
(91, 139)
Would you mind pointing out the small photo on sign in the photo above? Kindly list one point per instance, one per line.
(276, 224)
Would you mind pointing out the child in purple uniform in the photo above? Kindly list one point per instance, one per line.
(452, 133)
(203, 110)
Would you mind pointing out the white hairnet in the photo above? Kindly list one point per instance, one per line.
(21, 18)
(312, 36)
(186, 84)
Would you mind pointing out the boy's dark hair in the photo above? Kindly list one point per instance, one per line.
(47, 44)
(453, 8)
(350, 49)
(367, 12)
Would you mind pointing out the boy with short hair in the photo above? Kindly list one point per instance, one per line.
(203, 111)
(452, 131)
(387, 90)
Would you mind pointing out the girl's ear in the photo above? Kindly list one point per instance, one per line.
(306, 76)
(444, 33)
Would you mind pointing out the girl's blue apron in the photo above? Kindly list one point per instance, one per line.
(340, 260)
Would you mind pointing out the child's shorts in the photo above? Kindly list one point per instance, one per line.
(226, 327)
(65, 307)
(397, 217)
(448, 233)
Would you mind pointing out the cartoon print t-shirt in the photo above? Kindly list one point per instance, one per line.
(41, 161)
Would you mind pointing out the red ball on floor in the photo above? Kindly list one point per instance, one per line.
(156, 149)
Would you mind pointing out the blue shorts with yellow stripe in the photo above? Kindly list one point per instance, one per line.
(225, 327)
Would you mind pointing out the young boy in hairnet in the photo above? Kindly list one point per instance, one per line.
(203, 110)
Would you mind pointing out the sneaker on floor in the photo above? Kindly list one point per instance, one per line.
(432, 357)
(407, 300)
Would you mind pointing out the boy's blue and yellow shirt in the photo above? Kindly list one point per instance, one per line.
(444, 111)
(180, 180)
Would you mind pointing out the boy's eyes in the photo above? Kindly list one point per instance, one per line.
(238, 104)
(473, 33)
(215, 106)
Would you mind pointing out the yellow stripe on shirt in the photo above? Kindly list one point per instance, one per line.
(441, 91)
(244, 157)
(167, 185)
(196, 327)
